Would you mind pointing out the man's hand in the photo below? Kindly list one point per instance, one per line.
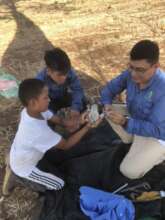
(107, 107)
(116, 117)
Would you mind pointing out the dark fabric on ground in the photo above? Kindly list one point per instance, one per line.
(95, 162)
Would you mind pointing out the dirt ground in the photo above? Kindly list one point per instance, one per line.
(96, 34)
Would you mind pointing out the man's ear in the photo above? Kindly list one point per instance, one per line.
(157, 65)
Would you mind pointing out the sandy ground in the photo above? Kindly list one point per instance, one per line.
(96, 34)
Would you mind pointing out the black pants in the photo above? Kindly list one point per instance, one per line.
(49, 163)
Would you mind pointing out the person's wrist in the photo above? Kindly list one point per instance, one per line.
(88, 126)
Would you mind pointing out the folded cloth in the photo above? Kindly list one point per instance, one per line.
(100, 205)
(7, 84)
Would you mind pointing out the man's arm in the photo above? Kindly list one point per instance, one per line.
(113, 88)
(153, 127)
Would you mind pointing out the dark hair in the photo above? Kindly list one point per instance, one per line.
(145, 49)
(29, 89)
(57, 60)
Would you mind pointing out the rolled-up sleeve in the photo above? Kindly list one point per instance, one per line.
(77, 91)
(114, 87)
(154, 126)
(41, 75)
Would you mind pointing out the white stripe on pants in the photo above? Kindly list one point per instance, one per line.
(144, 153)
(49, 180)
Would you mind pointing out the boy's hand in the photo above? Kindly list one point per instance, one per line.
(71, 125)
(84, 118)
(74, 114)
(71, 121)
(74, 124)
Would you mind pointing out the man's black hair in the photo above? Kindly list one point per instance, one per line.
(145, 49)
(29, 89)
(57, 60)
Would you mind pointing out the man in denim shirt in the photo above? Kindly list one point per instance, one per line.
(64, 86)
(144, 126)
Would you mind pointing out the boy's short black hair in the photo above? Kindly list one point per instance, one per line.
(57, 60)
(145, 49)
(29, 89)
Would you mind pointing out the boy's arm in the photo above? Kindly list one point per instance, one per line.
(76, 137)
(70, 124)
(57, 120)
(77, 92)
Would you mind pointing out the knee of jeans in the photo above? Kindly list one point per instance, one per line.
(130, 171)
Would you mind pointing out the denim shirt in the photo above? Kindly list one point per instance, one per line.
(146, 106)
(72, 84)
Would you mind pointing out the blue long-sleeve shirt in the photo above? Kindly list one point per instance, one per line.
(145, 106)
(72, 84)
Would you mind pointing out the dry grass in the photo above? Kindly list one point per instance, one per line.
(97, 35)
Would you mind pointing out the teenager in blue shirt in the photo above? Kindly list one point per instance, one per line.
(63, 84)
(144, 83)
